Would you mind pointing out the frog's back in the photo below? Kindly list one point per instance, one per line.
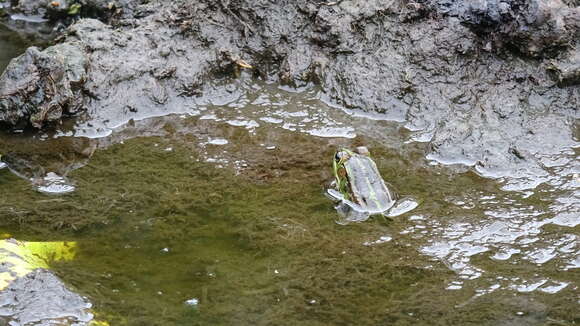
(367, 185)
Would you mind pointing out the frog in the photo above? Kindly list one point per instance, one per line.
(360, 190)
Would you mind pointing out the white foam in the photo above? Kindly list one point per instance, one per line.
(29, 19)
(554, 288)
(218, 141)
(380, 240)
(192, 302)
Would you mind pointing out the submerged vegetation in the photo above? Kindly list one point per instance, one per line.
(156, 228)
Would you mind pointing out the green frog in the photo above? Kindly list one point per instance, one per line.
(360, 189)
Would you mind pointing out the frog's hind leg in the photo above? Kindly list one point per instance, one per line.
(402, 206)
(348, 214)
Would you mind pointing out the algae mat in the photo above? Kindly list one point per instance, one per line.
(166, 238)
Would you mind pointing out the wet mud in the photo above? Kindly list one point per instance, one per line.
(478, 81)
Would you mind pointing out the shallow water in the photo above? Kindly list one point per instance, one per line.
(217, 216)
(11, 45)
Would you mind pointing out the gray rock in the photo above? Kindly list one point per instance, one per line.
(567, 70)
(535, 27)
(41, 299)
(61, 9)
(42, 86)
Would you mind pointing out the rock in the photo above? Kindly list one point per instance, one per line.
(41, 86)
(536, 28)
(40, 298)
(30, 294)
(63, 9)
(567, 71)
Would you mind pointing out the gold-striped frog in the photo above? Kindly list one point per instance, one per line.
(360, 189)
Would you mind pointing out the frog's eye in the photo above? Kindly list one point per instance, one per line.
(340, 156)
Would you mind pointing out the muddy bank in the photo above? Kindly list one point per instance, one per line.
(480, 82)
(535, 28)
(40, 22)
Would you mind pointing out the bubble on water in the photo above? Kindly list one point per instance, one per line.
(553, 287)
(505, 253)
(218, 141)
(216, 160)
(380, 240)
(272, 120)
(192, 302)
(422, 136)
(568, 219)
(541, 256)
(455, 285)
(573, 264)
(528, 286)
(209, 116)
(450, 160)
(332, 132)
(29, 18)
(248, 124)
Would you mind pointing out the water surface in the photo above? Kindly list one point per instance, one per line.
(11, 45)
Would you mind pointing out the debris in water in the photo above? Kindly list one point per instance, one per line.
(192, 302)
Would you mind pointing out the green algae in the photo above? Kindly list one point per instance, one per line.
(157, 227)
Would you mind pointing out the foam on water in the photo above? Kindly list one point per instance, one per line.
(252, 105)
(218, 141)
(508, 234)
(29, 18)
(382, 239)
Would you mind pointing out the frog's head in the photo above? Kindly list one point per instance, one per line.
(340, 171)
